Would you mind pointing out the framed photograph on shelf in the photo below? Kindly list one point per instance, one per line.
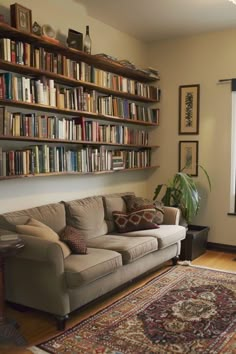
(189, 97)
(75, 39)
(188, 157)
(21, 18)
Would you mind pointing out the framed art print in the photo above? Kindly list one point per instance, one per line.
(189, 96)
(188, 157)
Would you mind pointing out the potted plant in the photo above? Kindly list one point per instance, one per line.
(181, 191)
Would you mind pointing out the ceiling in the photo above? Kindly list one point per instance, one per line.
(151, 20)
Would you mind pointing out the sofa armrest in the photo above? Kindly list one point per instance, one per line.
(171, 216)
(35, 276)
(37, 249)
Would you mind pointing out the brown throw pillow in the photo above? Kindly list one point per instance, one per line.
(133, 202)
(140, 219)
(74, 240)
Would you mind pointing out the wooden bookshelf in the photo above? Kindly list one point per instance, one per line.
(77, 73)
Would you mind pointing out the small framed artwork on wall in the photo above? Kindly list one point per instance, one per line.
(188, 157)
(189, 97)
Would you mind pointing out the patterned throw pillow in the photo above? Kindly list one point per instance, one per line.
(133, 202)
(140, 219)
(74, 240)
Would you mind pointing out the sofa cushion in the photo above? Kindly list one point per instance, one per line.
(113, 203)
(74, 240)
(36, 228)
(87, 215)
(130, 248)
(165, 234)
(140, 219)
(52, 215)
(133, 202)
(83, 269)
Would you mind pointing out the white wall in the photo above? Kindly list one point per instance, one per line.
(60, 14)
(200, 60)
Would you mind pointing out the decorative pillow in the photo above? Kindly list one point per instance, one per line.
(75, 241)
(140, 219)
(133, 202)
(36, 228)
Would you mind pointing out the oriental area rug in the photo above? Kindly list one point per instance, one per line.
(186, 309)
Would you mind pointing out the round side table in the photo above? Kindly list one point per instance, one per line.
(8, 328)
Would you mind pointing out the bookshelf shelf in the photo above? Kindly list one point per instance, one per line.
(51, 174)
(27, 70)
(102, 63)
(73, 113)
(66, 112)
(72, 142)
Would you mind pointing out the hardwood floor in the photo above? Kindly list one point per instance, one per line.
(36, 326)
(220, 260)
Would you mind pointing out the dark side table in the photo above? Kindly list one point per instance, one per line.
(8, 328)
(194, 245)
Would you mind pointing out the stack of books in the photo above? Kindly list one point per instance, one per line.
(118, 162)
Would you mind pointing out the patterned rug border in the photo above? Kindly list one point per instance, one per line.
(104, 308)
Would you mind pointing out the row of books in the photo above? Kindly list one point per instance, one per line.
(25, 89)
(75, 129)
(48, 159)
(123, 84)
(27, 54)
(45, 92)
(115, 134)
(18, 52)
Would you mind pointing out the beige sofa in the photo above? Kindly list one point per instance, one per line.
(42, 277)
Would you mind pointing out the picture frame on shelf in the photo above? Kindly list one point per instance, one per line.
(75, 39)
(21, 18)
(188, 157)
(189, 103)
(36, 29)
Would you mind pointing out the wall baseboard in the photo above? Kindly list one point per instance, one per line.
(221, 247)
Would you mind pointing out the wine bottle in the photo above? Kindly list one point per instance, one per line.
(87, 41)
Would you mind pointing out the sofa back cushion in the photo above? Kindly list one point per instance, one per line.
(113, 203)
(52, 215)
(87, 215)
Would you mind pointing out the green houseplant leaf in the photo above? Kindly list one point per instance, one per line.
(181, 191)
